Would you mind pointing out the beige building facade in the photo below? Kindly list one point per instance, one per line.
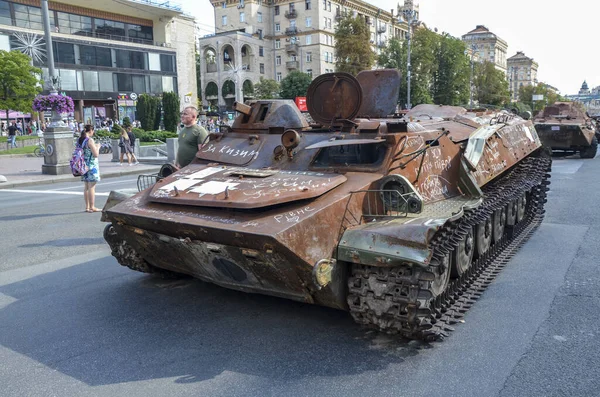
(269, 39)
(106, 52)
(488, 46)
(522, 72)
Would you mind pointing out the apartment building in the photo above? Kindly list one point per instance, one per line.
(107, 52)
(488, 46)
(270, 38)
(522, 71)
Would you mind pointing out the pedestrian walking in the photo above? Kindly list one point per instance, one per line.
(90, 178)
(125, 146)
(132, 138)
(12, 134)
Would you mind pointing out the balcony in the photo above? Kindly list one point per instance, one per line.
(291, 31)
(291, 65)
(381, 29)
(291, 48)
(291, 14)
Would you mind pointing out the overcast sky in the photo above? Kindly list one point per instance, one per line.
(558, 35)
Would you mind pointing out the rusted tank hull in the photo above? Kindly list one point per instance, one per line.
(564, 136)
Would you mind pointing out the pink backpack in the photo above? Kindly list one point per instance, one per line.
(78, 165)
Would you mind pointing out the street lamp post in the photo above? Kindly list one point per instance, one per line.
(471, 77)
(58, 139)
(411, 18)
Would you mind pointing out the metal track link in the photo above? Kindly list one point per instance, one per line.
(400, 300)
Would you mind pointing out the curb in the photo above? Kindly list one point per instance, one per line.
(68, 178)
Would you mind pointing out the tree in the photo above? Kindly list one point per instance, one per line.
(157, 114)
(126, 122)
(266, 89)
(294, 84)
(198, 79)
(490, 85)
(527, 92)
(451, 80)
(19, 81)
(171, 111)
(143, 111)
(352, 47)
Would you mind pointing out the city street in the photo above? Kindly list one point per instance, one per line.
(75, 322)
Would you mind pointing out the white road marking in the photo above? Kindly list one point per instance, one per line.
(48, 192)
(101, 184)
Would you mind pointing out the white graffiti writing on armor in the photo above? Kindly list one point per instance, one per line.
(229, 151)
(433, 187)
(512, 136)
(250, 224)
(491, 149)
(498, 167)
(293, 216)
(415, 142)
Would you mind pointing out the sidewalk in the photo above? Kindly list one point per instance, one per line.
(27, 171)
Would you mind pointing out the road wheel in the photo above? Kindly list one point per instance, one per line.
(590, 151)
(499, 221)
(511, 213)
(462, 256)
(521, 205)
(441, 271)
(483, 237)
(37, 152)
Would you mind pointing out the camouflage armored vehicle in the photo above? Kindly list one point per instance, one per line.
(400, 221)
(565, 127)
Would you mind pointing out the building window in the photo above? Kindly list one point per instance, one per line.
(166, 63)
(105, 81)
(140, 32)
(95, 56)
(329, 6)
(28, 17)
(278, 60)
(292, 23)
(277, 44)
(90, 81)
(124, 82)
(329, 23)
(5, 18)
(309, 72)
(325, 5)
(107, 28)
(242, 17)
(224, 20)
(130, 59)
(259, 17)
(309, 39)
(224, 4)
(278, 27)
(308, 22)
(309, 57)
(307, 4)
(261, 51)
(279, 77)
(276, 10)
(63, 52)
(156, 84)
(261, 67)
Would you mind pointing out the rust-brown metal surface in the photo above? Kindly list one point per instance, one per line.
(262, 205)
(565, 125)
(380, 90)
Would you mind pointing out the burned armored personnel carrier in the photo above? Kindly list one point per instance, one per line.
(400, 221)
(565, 127)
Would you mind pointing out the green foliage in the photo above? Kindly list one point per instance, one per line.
(228, 88)
(526, 96)
(116, 129)
(198, 80)
(157, 114)
(212, 89)
(490, 85)
(171, 111)
(248, 88)
(143, 111)
(352, 47)
(294, 84)
(451, 78)
(126, 122)
(265, 89)
(141, 135)
(19, 81)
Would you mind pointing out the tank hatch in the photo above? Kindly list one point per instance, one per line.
(380, 88)
(334, 97)
(240, 187)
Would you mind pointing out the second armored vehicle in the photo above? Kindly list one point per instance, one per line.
(400, 221)
(565, 127)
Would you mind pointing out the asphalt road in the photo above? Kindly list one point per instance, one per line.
(74, 322)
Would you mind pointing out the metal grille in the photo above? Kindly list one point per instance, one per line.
(147, 180)
(377, 204)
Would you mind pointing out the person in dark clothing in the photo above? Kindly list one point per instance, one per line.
(12, 134)
(132, 143)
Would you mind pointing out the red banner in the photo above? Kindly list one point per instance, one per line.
(301, 103)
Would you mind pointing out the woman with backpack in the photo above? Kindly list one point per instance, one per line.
(125, 145)
(92, 176)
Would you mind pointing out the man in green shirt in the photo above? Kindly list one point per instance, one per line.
(191, 137)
